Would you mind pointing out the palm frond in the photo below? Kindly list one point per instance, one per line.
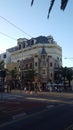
(50, 8)
(32, 2)
(63, 4)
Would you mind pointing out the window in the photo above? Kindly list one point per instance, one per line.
(4, 56)
(43, 72)
(23, 44)
(50, 56)
(26, 66)
(54, 64)
(36, 55)
(19, 46)
(32, 42)
(57, 58)
(35, 63)
(60, 59)
(41, 56)
(44, 63)
(51, 74)
(51, 64)
(31, 65)
(18, 60)
(44, 57)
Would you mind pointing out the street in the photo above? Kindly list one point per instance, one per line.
(52, 112)
(53, 119)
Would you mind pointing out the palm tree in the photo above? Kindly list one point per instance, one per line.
(2, 75)
(69, 75)
(29, 77)
(64, 73)
(2, 69)
(2, 64)
(62, 7)
(13, 75)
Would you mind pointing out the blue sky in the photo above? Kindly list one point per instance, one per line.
(33, 20)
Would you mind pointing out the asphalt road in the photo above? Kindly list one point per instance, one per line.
(57, 117)
(14, 109)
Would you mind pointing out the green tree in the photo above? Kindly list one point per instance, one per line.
(69, 75)
(2, 69)
(13, 74)
(29, 77)
(2, 64)
(64, 73)
(62, 6)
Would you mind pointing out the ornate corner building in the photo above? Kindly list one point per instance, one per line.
(42, 54)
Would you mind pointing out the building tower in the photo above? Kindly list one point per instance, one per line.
(43, 67)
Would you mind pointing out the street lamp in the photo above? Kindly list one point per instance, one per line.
(21, 75)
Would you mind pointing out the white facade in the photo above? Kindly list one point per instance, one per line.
(31, 47)
(54, 56)
(6, 57)
(28, 53)
(52, 50)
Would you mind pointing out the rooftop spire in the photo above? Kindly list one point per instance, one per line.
(43, 51)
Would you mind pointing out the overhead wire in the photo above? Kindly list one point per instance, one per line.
(68, 58)
(8, 36)
(15, 26)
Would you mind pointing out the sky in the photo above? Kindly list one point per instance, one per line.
(19, 20)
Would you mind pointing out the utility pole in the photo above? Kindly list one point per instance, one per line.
(21, 68)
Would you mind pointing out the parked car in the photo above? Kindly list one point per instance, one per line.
(54, 87)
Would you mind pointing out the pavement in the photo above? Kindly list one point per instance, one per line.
(19, 104)
(16, 106)
(13, 109)
(65, 93)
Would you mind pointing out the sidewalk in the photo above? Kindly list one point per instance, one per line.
(44, 93)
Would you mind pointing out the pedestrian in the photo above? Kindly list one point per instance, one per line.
(36, 87)
(10, 89)
(25, 89)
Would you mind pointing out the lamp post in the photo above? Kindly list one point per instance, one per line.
(21, 68)
(21, 72)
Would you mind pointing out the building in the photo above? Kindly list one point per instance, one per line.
(6, 57)
(42, 54)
